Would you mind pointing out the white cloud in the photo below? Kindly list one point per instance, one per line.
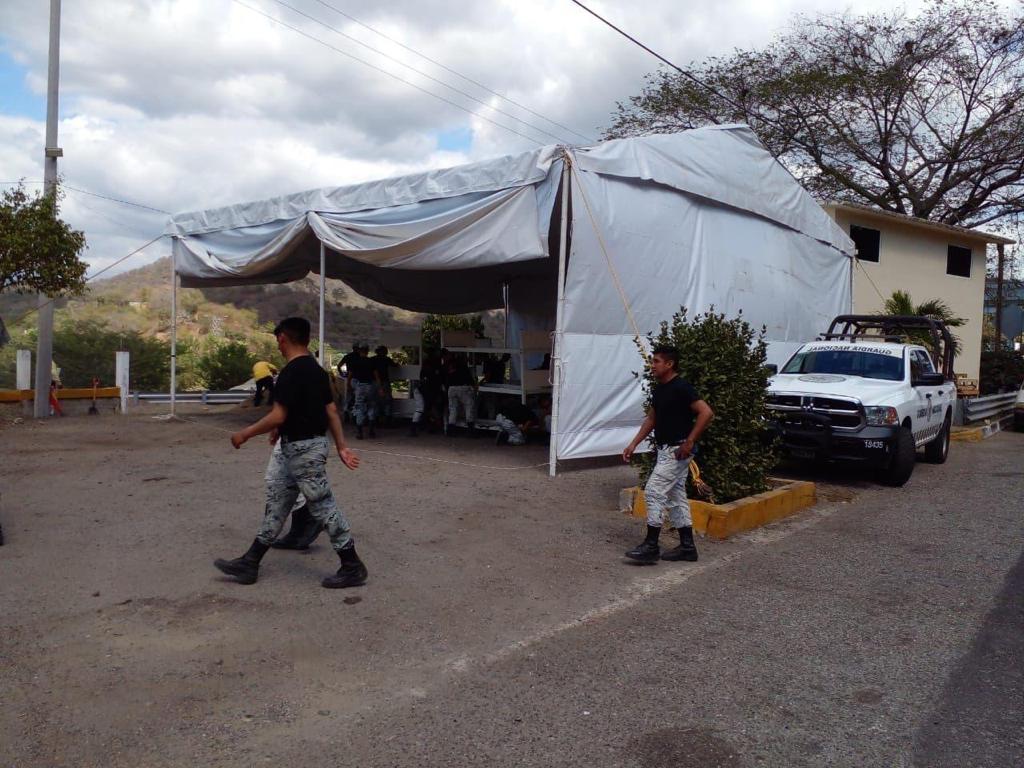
(181, 104)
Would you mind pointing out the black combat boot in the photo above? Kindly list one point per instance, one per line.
(303, 532)
(352, 572)
(414, 429)
(373, 432)
(359, 432)
(471, 429)
(687, 549)
(246, 568)
(648, 550)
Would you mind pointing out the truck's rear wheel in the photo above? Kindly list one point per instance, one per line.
(904, 454)
(938, 449)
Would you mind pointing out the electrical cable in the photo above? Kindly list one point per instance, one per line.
(418, 72)
(454, 72)
(142, 247)
(62, 185)
(384, 71)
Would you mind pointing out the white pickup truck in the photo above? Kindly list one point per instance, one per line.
(868, 391)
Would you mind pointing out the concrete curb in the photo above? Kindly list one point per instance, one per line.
(720, 521)
(984, 432)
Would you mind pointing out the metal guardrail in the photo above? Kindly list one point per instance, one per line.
(988, 407)
(204, 397)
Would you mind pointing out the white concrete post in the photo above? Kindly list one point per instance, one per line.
(23, 371)
(121, 360)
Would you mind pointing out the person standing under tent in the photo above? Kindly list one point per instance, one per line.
(345, 373)
(383, 364)
(263, 373)
(678, 417)
(461, 392)
(365, 381)
(300, 418)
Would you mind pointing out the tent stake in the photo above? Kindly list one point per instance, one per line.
(556, 356)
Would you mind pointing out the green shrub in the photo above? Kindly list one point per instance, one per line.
(1002, 370)
(225, 364)
(725, 360)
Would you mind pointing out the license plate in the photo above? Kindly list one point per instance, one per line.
(875, 445)
(802, 453)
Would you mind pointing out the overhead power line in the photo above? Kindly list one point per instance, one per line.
(448, 69)
(384, 71)
(401, 63)
(107, 268)
(61, 185)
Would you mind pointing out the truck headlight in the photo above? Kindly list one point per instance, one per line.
(881, 415)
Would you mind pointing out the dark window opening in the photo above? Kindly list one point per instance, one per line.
(866, 241)
(958, 261)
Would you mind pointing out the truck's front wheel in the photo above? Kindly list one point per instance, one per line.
(938, 449)
(904, 454)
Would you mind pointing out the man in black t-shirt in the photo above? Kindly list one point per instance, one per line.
(678, 416)
(303, 412)
(365, 380)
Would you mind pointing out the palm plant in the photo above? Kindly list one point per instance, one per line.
(900, 303)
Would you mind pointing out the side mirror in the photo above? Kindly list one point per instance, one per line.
(772, 369)
(933, 379)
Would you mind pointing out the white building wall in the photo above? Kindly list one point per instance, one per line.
(913, 259)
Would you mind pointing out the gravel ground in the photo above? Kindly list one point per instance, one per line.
(500, 625)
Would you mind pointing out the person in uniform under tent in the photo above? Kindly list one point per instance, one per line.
(383, 364)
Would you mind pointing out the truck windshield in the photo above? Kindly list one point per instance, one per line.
(847, 362)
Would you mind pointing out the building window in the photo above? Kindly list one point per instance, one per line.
(958, 261)
(866, 241)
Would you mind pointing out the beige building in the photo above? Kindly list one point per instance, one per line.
(926, 259)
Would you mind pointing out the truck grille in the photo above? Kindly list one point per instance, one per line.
(845, 414)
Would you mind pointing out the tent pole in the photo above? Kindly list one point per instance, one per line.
(556, 356)
(323, 286)
(174, 328)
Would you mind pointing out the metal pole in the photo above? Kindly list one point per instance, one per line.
(556, 352)
(174, 329)
(44, 345)
(1001, 260)
(323, 287)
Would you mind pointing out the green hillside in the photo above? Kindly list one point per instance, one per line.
(136, 306)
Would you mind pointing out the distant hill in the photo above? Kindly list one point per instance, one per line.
(139, 300)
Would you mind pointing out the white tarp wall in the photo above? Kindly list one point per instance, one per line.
(776, 257)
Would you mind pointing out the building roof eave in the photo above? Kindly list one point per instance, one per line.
(913, 221)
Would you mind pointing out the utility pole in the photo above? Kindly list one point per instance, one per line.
(44, 346)
(1000, 262)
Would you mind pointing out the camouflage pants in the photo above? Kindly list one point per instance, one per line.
(515, 434)
(301, 467)
(365, 410)
(666, 487)
(463, 395)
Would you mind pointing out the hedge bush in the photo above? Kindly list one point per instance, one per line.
(725, 360)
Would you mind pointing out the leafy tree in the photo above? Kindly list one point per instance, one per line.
(433, 324)
(900, 303)
(916, 115)
(225, 364)
(39, 253)
(725, 360)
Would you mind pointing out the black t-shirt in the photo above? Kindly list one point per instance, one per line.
(304, 389)
(459, 375)
(346, 361)
(673, 417)
(361, 369)
(382, 364)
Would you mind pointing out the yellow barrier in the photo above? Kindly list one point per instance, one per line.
(720, 521)
(80, 393)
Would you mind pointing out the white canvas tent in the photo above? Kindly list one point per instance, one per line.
(594, 244)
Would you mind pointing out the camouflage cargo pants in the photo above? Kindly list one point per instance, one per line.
(666, 487)
(301, 467)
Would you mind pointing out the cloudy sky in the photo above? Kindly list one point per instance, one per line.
(185, 104)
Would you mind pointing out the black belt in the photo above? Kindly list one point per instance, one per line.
(285, 439)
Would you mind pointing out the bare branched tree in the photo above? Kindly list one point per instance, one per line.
(922, 116)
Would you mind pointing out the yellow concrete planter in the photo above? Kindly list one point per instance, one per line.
(720, 521)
